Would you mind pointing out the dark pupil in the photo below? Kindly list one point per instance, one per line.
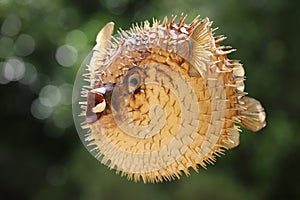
(133, 82)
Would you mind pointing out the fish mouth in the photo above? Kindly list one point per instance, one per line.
(98, 103)
(109, 103)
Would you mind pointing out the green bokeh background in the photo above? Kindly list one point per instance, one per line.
(42, 45)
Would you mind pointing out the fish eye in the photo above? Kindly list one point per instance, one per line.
(133, 82)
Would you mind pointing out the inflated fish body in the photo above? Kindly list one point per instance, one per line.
(164, 98)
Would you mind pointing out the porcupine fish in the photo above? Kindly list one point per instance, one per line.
(164, 98)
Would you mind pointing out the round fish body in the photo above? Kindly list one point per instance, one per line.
(164, 98)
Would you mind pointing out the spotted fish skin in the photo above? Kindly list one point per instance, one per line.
(168, 99)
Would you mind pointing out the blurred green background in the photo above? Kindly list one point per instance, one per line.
(42, 45)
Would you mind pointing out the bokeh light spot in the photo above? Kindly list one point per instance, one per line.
(39, 110)
(66, 55)
(24, 45)
(77, 39)
(14, 69)
(50, 95)
(11, 25)
(30, 74)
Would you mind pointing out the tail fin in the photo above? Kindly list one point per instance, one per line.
(252, 116)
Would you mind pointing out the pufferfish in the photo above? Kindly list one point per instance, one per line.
(164, 98)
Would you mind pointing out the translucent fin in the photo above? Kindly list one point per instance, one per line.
(104, 35)
(201, 56)
(253, 116)
(233, 138)
(103, 42)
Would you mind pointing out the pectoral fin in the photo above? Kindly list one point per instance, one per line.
(201, 39)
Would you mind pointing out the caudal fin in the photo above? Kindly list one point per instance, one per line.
(252, 115)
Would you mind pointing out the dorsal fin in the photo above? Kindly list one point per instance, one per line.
(103, 41)
(104, 35)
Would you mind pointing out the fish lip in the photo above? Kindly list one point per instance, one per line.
(95, 97)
